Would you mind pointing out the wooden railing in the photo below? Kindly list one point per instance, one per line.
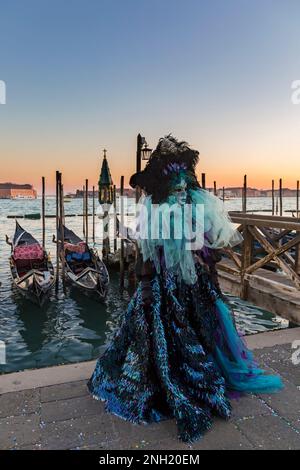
(268, 241)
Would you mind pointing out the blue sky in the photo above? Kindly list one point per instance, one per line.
(84, 75)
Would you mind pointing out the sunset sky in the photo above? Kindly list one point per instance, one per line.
(83, 75)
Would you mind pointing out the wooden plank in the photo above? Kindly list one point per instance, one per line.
(234, 256)
(289, 225)
(274, 254)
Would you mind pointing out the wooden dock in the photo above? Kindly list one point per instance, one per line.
(266, 270)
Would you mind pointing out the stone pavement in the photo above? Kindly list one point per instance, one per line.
(64, 416)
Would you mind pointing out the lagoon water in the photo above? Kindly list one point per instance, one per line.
(72, 327)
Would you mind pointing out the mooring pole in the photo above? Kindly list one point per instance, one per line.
(62, 237)
(57, 230)
(83, 210)
(87, 211)
(244, 200)
(122, 265)
(43, 210)
(280, 197)
(223, 194)
(115, 217)
(273, 198)
(215, 188)
(297, 200)
(93, 214)
(203, 182)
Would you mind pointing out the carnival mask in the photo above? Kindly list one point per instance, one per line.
(179, 193)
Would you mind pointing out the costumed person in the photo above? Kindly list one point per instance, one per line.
(177, 352)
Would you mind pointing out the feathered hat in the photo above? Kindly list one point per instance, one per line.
(170, 160)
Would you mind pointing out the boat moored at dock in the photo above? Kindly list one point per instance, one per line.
(31, 268)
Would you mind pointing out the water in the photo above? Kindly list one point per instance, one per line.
(72, 327)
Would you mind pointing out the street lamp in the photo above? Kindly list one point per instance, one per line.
(146, 152)
(142, 153)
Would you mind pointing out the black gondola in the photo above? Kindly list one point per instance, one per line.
(33, 276)
(86, 270)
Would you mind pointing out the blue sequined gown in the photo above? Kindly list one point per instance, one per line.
(177, 354)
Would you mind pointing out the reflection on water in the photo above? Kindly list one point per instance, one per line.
(71, 327)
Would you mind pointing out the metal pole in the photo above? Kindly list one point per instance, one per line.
(138, 163)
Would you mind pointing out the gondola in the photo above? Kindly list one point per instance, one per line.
(83, 267)
(31, 268)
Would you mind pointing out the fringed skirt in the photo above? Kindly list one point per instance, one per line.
(177, 356)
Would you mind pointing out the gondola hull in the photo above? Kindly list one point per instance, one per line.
(92, 278)
(33, 278)
(92, 281)
(33, 285)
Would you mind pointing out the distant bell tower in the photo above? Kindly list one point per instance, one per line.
(106, 187)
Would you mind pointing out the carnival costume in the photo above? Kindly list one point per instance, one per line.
(177, 353)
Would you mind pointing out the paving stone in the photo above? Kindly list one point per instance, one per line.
(295, 422)
(248, 405)
(19, 431)
(64, 391)
(159, 444)
(274, 354)
(280, 360)
(62, 410)
(223, 435)
(19, 403)
(285, 403)
(77, 432)
(154, 431)
(269, 432)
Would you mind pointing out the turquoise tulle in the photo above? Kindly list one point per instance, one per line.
(180, 230)
(236, 361)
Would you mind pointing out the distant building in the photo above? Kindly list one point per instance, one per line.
(17, 191)
(105, 184)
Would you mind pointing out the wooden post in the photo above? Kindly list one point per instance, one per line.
(203, 182)
(83, 210)
(93, 214)
(62, 238)
(43, 211)
(223, 194)
(215, 188)
(246, 260)
(244, 200)
(273, 198)
(297, 200)
(280, 197)
(115, 217)
(122, 267)
(57, 230)
(87, 211)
